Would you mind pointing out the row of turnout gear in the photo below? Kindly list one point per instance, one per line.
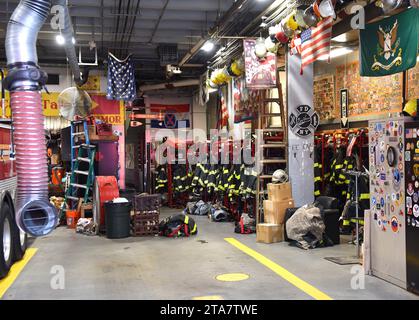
(231, 180)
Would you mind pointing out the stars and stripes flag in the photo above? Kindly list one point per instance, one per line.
(315, 42)
(121, 79)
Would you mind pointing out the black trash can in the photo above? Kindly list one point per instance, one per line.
(118, 220)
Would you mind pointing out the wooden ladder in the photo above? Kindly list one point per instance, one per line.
(273, 139)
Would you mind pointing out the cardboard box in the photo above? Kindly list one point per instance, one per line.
(269, 233)
(274, 211)
(279, 192)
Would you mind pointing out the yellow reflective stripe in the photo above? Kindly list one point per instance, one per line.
(360, 221)
(346, 222)
(364, 196)
(194, 229)
(339, 166)
(343, 177)
(350, 166)
(317, 193)
(317, 179)
(318, 165)
(186, 219)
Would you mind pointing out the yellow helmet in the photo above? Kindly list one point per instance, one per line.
(292, 22)
(411, 108)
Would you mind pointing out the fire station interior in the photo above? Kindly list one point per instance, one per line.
(257, 149)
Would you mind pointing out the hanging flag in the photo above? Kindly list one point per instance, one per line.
(390, 46)
(121, 79)
(315, 42)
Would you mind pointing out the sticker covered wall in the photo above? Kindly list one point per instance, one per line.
(412, 205)
(387, 181)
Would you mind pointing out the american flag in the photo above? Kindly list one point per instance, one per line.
(315, 42)
(121, 79)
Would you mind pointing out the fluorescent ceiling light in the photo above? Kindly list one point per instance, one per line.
(337, 53)
(60, 39)
(342, 38)
(208, 46)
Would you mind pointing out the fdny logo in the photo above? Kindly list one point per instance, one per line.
(305, 122)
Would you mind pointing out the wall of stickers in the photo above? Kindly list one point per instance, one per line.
(324, 97)
(412, 205)
(413, 83)
(387, 182)
(367, 95)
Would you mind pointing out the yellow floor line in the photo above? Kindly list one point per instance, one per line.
(282, 272)
(208, 298)
(16, 269)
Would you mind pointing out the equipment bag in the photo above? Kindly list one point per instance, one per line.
(178, 225)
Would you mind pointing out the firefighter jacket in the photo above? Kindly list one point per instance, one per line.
(318, 170)
(161, 179)
(363, 199)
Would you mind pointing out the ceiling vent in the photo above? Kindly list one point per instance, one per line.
(168, 54)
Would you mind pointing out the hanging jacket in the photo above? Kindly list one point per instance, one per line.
(318, 170)
(349, 215)
(233, 181)
(161, 179)
(248, 182)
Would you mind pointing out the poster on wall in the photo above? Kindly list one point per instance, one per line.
(174, 116)
(260, 73)
(390, 46)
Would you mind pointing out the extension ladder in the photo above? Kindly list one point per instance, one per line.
(273, 139)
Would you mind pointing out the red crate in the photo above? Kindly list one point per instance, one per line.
(146, 223)
(147, 202)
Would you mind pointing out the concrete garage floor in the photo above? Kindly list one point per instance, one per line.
(162, 268)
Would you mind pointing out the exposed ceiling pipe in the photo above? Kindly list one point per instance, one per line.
(233, 48)
(159, 20)
(170, 85)
(137, 11)
(213, 32)
(68, 34)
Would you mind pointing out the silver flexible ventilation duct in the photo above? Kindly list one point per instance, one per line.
(67, 32)
(34, 213)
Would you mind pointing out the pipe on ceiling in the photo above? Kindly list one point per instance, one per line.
(213, 32)
(170, 85)
(68, 34)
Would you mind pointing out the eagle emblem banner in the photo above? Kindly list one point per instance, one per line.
(390, 45)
